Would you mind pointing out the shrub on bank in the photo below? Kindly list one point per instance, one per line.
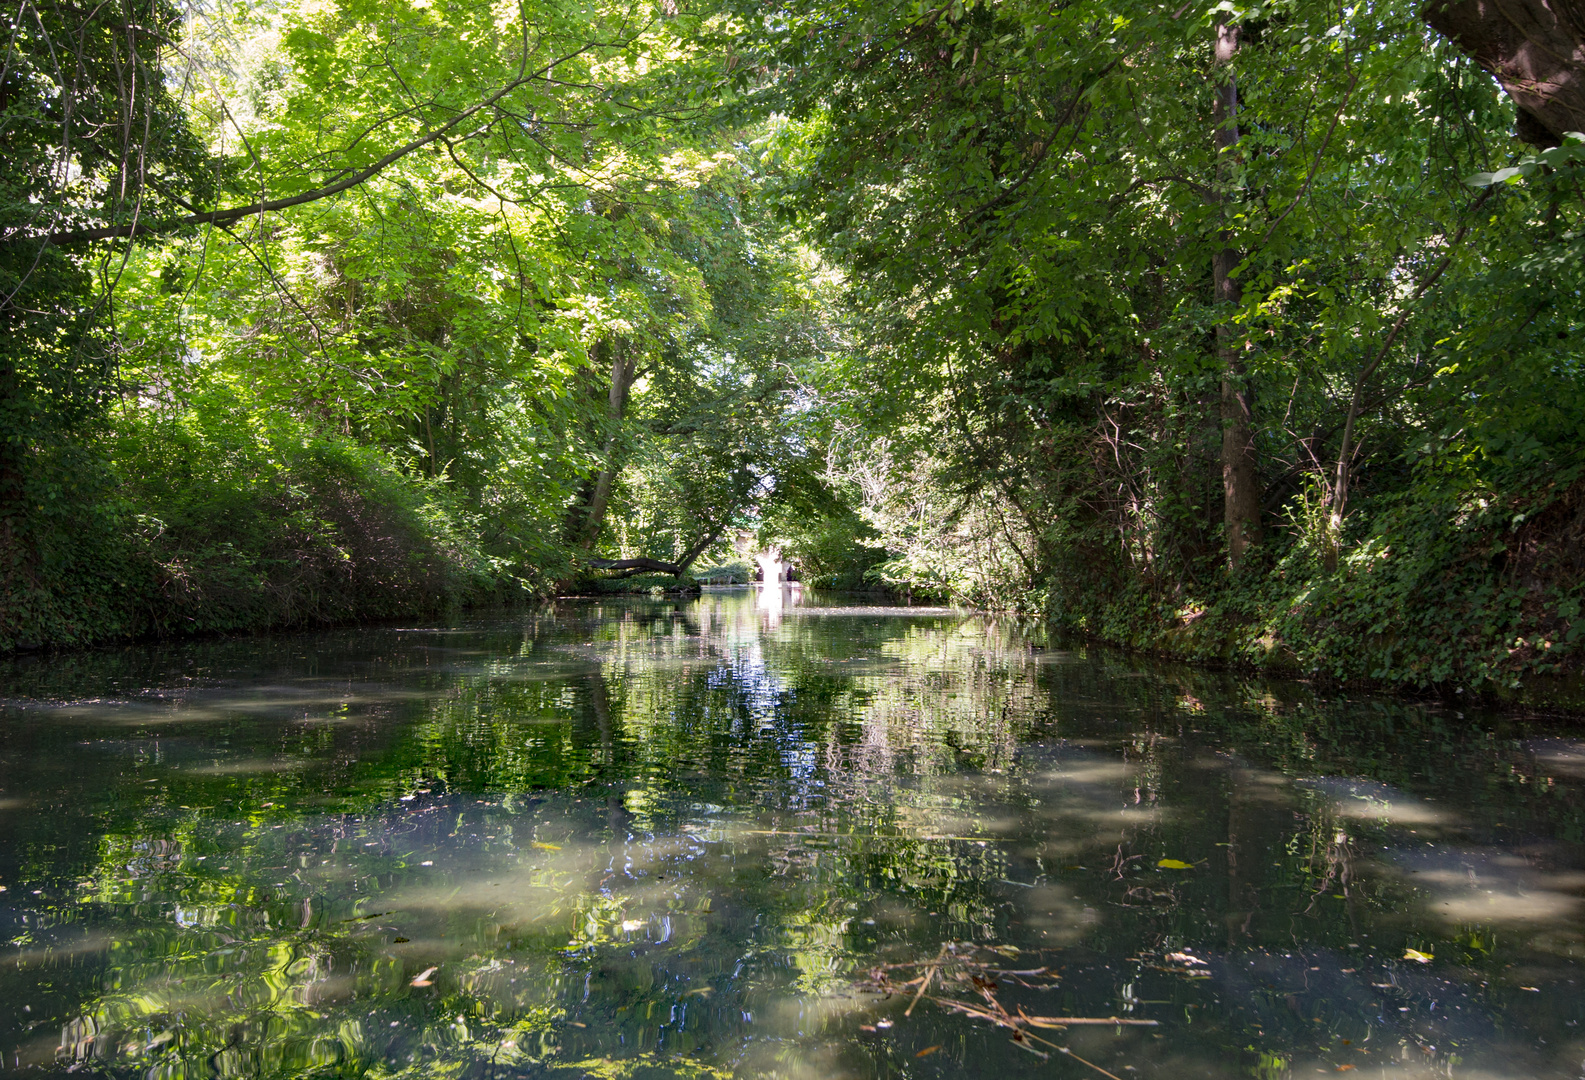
(1462, 590)
(214, 519)
(653, 585)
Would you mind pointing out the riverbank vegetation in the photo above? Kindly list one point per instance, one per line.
(1247, 331)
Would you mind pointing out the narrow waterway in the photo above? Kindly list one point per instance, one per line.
(769, 835)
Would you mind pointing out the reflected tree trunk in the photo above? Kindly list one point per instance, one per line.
(616, 814)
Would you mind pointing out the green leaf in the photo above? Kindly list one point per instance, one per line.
(1488, 179)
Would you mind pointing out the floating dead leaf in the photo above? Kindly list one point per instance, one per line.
(1418, 956)
(424, 977)
(1175, 864)
(927, 1051)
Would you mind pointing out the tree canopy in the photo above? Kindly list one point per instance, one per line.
(1228, 329)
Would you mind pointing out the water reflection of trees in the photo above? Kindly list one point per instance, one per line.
(697, 818)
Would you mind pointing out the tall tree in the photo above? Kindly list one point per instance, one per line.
(1241, 493)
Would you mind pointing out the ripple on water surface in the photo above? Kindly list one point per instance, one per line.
(769, 835)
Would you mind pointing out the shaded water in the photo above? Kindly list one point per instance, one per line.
(735, 837)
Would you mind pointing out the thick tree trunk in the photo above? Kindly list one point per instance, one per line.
(624, 369)
(1536, 48)
(1240, 472)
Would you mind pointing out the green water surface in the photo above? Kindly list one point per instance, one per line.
(733, 837)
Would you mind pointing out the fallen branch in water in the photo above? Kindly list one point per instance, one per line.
(1018, 1020)
(980, 977)
(1069, 1021)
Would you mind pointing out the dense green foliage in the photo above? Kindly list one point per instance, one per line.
(1242, 331)
(1031, 204)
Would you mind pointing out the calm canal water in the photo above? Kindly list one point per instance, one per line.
(732, 838)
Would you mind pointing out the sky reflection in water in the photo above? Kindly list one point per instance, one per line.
(719, 838)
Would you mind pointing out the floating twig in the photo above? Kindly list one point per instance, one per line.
(925, 983)
(1097, 1021)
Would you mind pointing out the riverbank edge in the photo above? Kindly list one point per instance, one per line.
(1559, 695)
(1541, 695)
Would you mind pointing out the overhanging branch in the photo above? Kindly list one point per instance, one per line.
(635, 565)
(236, 213)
